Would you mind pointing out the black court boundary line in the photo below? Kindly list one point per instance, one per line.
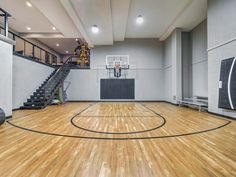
(114, 116)
(119, 133)
(118, 139)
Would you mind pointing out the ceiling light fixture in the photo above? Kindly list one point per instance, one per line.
(28, 4)
(54, 28)
(57, 45)
(67, 51)
(28, 28)
(95, 29)
(139, 20)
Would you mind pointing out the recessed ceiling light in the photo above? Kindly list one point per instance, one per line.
(28, 4)
(53, 28)
(95, 29)
(57, 45)
(67, 51)
(28, 28)
(139, 20)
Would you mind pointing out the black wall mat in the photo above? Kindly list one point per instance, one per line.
(227, 86)
(117, 89)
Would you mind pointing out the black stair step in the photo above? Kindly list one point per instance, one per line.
(32, 107)
(34, 104)
(42, 91)
(36, 100)
(38, 97)
(49, 87)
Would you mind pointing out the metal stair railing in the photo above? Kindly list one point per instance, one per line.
(56, 80)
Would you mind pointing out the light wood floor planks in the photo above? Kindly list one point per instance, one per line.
(117, 140)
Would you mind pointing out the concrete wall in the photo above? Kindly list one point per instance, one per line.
(172, 67)
(199, 60)
(27, 77)
(146, 57)
(221, 45)
(6, 77)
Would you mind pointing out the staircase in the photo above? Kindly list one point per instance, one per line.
(45, 93)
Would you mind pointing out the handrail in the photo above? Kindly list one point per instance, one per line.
(59, 69)
(70, 57)
(47, 90)
(5, 12)
(14, 36)
(5, 15)
(65, 63)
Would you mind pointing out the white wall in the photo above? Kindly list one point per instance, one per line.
(27, 77)
(172, 67)
(6, 77)
(221, 45)
(146, 57)
(199, 60)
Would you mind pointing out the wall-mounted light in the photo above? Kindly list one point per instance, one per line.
(57, 45)
(67, 51)
(139, 20)
(54, 28)
(95, 29)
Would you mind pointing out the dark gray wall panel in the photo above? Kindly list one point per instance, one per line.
(224, 101)
(117, 89)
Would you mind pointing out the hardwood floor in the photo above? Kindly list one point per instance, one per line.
(117, 140)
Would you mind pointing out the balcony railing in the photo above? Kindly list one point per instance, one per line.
(29, 50)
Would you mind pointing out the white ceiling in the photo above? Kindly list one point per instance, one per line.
(115, 19)
(23, 16)
(66, 44)
(96, 12)
(157, 15)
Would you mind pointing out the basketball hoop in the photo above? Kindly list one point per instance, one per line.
(117, 70)
(115, 64)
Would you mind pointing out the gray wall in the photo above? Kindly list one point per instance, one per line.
(172, 67)
(195, 61)
(221, 45)
(27, 77)
(199, 60)
(146, 57)
(187, 65)
(6, 77)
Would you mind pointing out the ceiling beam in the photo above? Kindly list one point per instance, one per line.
(120, 14)
(55, 13)
(75, 18)
(41, 35)
(171, 27)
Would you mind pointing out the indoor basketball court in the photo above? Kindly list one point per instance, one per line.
(117, 88)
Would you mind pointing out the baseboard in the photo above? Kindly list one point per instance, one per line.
(82, 101)
(8, 117)
(170, 103)
(122, 101)
(115, 100)
(16, 109)
(228, 117)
